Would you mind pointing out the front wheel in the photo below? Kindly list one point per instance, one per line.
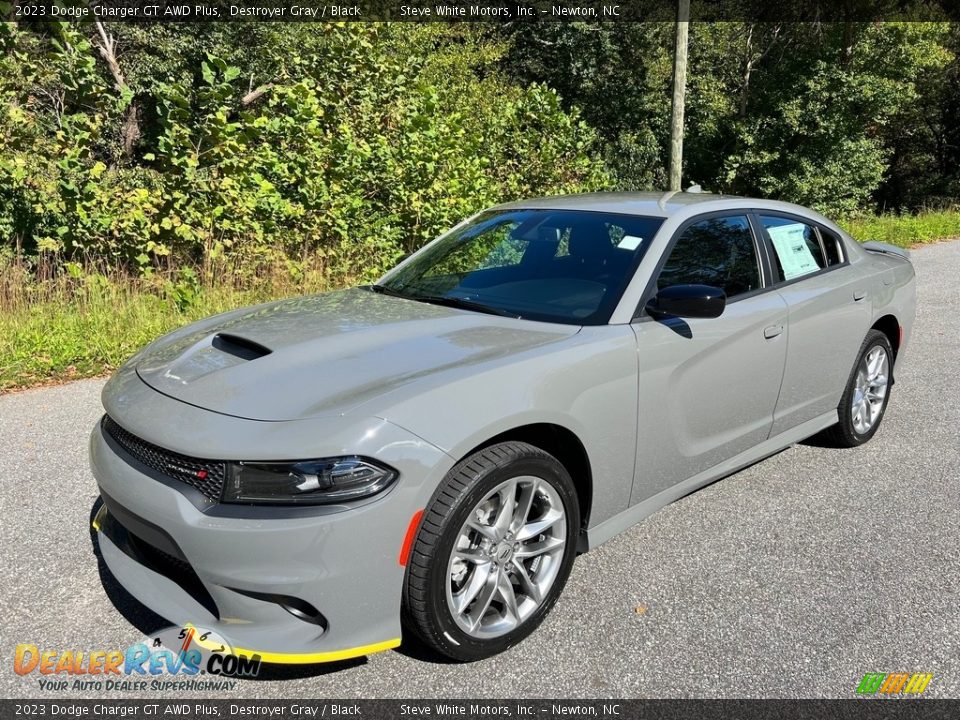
(493, 552)
(868, 390)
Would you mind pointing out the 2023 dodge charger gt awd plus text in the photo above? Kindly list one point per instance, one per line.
(312, 477)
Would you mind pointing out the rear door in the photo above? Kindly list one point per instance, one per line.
(708, 387)
(829, 314)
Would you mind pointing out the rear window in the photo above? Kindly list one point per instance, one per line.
(796, 247)
(832, 247)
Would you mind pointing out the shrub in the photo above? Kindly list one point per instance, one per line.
(356, 152)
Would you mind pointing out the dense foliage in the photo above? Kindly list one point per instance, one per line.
(846, 117)
(351, 143)
(209, 151)
(153, 175)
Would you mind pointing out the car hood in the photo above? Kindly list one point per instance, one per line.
(326, 354)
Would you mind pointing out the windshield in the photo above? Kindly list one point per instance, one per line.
(561, 266)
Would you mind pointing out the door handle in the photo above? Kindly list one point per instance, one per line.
(859, 295)
(772, 331)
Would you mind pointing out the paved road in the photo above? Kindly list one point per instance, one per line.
(789, 579)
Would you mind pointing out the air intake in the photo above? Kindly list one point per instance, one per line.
(239, 347)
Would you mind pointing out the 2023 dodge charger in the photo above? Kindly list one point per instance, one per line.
(308, 477)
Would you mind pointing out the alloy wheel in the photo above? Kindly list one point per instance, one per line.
(506, 557)
(870, 391)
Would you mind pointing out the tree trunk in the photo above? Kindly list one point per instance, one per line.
(130, 131)
(849, 32)
(251, 97)
(747, 71)
(107, 48)
(679, 92)
(130, 127)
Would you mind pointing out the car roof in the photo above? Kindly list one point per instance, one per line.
(658, 204)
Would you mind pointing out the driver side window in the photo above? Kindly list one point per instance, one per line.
(717, 251)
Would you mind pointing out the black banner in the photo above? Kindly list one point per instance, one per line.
(150, 11)
(444, 709)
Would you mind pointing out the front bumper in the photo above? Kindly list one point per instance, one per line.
(343, 563)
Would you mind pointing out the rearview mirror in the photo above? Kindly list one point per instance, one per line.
(692, 301)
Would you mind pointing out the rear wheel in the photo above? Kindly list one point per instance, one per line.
(493, 552)
(865, 398)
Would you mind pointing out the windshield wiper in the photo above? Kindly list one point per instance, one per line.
(384, 290)
(447, 301)
(464, 304)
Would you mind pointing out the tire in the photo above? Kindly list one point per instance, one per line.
(859, 414)
(467, 547)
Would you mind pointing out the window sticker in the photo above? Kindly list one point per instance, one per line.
(791, 246)
(630, 242)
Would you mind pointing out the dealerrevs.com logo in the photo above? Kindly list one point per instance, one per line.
(171, 660)
(895, 683)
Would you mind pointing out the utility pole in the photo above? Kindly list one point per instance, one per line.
(679, 90)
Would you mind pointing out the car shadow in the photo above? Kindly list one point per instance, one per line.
(272, 672)
(822, 439)
(147, 622)
(678, 325)
(415, 649)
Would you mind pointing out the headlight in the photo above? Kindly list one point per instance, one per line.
(311, 482)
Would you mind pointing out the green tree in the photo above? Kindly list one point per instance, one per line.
(350, 143)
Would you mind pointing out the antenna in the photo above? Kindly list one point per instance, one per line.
(662, 202)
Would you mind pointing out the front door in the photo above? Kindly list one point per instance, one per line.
(708, 387)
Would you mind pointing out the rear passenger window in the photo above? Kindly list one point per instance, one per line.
(718, 251)
(832, 247)
(796, 247)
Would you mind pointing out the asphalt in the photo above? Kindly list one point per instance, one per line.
(790, 579)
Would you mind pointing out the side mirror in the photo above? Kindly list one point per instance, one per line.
(692, 301)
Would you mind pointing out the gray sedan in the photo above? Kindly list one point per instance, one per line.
(312, 479)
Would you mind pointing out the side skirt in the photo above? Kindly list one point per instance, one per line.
(592, 537)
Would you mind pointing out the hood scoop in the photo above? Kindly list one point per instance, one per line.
(328, 354)
(239, 347)
(211, 354)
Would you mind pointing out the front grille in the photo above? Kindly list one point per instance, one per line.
(207, 476)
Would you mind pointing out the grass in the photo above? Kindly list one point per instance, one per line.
(65, 328)
(53, 341)
(56, 327)
(906, 230)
